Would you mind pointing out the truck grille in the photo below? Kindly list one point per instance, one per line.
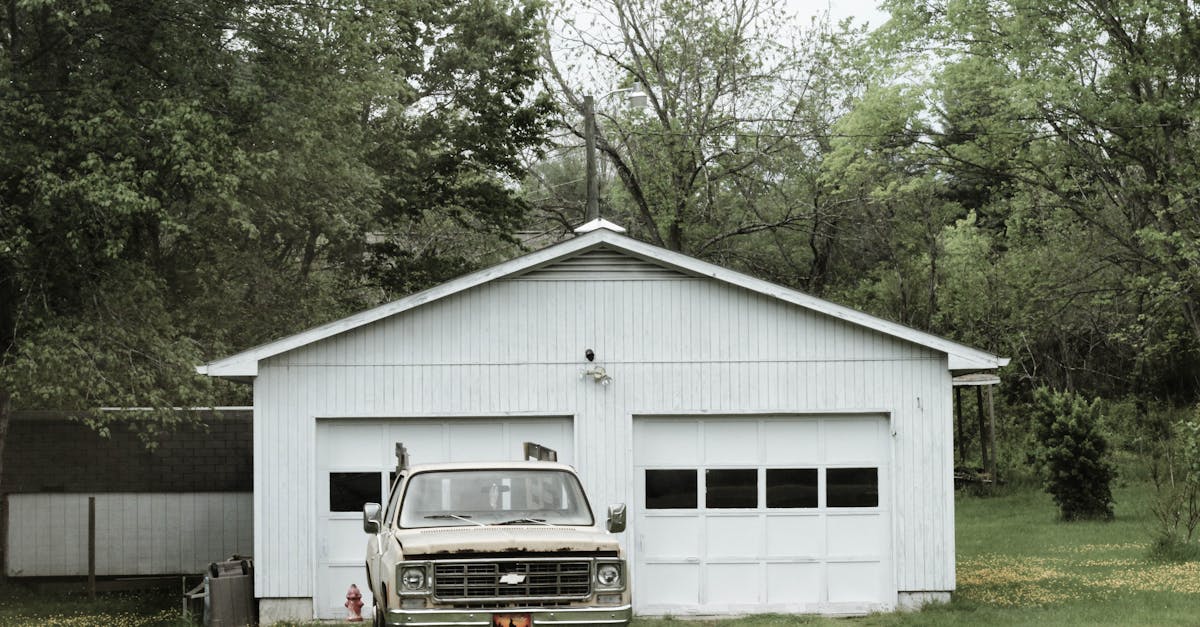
(512, 579)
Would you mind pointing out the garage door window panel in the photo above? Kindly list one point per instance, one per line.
(852, 487)
(671, 489)
(731, 488)
(349, 491)
(792, 488)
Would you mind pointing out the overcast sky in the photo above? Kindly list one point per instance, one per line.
(860, 10)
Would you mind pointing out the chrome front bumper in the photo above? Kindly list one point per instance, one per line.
(618, 615)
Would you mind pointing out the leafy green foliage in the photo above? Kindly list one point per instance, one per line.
(1073, 455)
(722, 160)
(180, 180)
(1063, 127)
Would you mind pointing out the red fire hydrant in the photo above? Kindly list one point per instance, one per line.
(354, 604)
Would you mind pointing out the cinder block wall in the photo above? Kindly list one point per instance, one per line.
(49, 452)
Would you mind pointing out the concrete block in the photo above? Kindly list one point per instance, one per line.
(294, 610)
(912, 601)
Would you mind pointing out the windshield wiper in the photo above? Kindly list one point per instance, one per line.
(455, 517)
(527, 521)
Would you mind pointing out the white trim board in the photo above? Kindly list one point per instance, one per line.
(244, 365)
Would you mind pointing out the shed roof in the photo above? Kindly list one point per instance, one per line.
(597, 234)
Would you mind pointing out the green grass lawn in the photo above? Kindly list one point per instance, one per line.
(22, 607)
(1017, 565)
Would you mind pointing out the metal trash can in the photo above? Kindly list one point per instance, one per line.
(227, 594)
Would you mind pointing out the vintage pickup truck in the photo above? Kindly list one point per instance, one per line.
(504, 543)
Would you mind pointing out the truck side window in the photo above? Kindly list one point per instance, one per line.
(393, 496)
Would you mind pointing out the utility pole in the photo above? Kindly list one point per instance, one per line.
(589, 138)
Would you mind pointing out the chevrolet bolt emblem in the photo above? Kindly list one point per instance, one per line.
(513, 579)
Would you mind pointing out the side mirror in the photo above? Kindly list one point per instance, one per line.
(371, 518)
(616, 518)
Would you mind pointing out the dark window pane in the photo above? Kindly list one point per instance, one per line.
(349, 491)
(670, 489)
(852, 487)
(731, 488)
(791, 487)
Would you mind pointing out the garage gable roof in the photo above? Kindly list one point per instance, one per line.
(244, 365)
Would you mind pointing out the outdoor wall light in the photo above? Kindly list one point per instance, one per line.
(597, 374)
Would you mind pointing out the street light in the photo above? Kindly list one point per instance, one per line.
(637, 98)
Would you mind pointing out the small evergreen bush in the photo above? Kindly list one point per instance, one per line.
(1072, 454)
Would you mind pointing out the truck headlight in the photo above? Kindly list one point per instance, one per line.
(413, 578)
(608, 575)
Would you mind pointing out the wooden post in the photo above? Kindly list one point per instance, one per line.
(983, 439)
(959, 441)
(589, 139)
(91, 547)
(991, 412)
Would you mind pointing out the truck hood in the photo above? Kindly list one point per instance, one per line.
(508, 539)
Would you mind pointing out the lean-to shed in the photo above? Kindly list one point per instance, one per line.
(777, 452)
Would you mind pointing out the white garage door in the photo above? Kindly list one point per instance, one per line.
(355, 460)
(754, 514)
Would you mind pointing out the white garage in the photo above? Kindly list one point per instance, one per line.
(778, 452)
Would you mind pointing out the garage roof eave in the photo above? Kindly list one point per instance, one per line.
(226, 369)
(959, 364)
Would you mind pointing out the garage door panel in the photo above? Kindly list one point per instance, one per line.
(344, 540)
(479, 442)
(667, 443)
(733, 536)
(791, 442)
(795, 536)
(733, 584)
(557, 437)
(794, 584)
(855, 582)
(731, 442)
(355, 445)
(426, 443)
(856, 536)
(852, 440)
(339, 578)
(675, 537)
(669, 584)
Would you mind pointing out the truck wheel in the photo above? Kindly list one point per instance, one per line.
(380, 615)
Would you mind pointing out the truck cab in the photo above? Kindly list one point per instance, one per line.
(502, 543)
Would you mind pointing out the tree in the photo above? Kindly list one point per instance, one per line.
(1082, 113)
(739, 107)
(179, 180)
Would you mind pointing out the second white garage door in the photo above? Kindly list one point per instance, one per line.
(759, 514)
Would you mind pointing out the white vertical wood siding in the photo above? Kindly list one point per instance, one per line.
(136, 534)
(673, 345)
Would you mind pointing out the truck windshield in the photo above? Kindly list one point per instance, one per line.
(463, 498)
